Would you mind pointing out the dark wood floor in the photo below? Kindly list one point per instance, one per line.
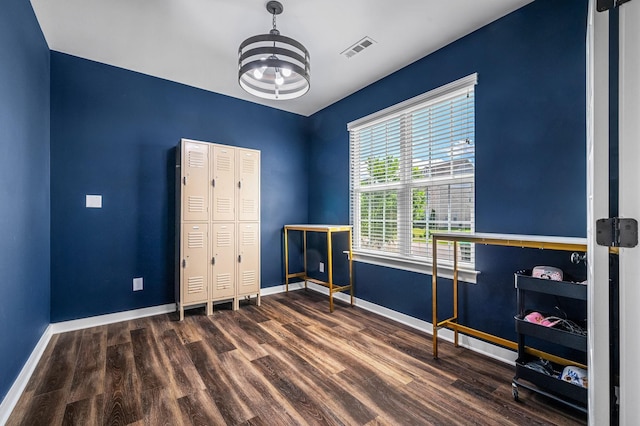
(288, 362)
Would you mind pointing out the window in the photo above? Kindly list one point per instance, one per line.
(412, 171)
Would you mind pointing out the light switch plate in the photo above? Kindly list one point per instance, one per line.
(321, 268)
(94, 201)
(137, 284)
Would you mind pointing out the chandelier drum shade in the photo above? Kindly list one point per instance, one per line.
(272, 66)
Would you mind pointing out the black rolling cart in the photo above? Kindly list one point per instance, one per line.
(535, 379)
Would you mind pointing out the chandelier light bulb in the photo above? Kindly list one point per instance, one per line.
(286, 72)
(279, 79)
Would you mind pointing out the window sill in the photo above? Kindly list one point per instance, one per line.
(445, 269)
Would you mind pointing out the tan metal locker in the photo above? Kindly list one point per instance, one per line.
(249, 259)
(223, 182)
(194, 271)
(195, 182)
(223, 261)
(218, 216)
(248, 163)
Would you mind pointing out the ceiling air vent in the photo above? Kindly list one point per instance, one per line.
(358, 47)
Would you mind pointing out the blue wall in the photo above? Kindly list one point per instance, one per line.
(24, 190)
(530, 152)
(114, 133)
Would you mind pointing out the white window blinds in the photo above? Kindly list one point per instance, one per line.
(412, 173)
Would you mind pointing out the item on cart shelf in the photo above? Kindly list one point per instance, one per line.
(575, 375)
(538, 318)
(541, 366)
(547, 272)
(567, 325)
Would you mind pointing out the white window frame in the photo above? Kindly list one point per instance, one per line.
(415, 263)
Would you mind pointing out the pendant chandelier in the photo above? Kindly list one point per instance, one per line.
(272, 66)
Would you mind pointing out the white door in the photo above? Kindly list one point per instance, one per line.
(629, 207)
(597, 208)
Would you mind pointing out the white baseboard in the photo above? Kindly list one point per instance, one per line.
(11, 399)
(281, 288)
(79, 324)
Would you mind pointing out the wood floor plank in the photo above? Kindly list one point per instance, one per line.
(315, 383)
(231, 404)
(227, 325)
(160, 407)
(257, 391)
(198, 409)
(44, 409)
(84, 412)
(213, 336)
(148, 360)
(41, 369)
(59, 370)
(88, 378)
(121, 403)
(313, 411)
(118, 333)
(182, 374)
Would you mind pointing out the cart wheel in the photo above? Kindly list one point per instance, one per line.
(514, 392)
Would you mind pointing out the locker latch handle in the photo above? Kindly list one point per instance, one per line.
(239, 184)
(213, 260)
(213, 183)
(184, 180)
(184, 263)
(239, 258)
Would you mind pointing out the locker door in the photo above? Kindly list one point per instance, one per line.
(249, 185)
(248, 258)
(223, 262)
(223, 183)
(195, 181)
(194, 263)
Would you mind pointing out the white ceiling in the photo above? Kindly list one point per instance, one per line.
(195, 42)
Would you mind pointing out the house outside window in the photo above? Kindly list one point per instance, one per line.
(412, 174)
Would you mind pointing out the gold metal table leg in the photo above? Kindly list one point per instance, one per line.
(434, 296)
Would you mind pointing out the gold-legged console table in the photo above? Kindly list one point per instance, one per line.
(329, 230)
(510, 240)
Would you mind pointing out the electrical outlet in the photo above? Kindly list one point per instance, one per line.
(321, 267)
(137, 284)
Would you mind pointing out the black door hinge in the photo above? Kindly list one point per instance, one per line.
(617, 232)
(604, 5)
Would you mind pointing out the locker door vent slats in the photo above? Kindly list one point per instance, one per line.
(223, 163)
(223, 281)
(248, 238)
(195, 240)
(195, 284)
(248, 278)
(248, 205)
(248, 166)
(223, 205)
(196, 159)
(196, 204)
(223, 239)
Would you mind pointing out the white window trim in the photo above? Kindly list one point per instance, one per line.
(445, 269)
